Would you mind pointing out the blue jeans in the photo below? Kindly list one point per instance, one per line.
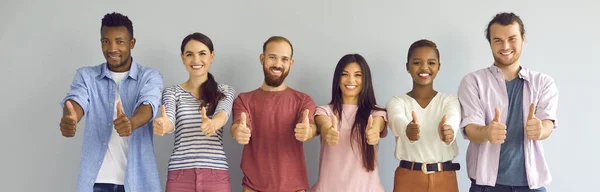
(502, 188)
(107, 187)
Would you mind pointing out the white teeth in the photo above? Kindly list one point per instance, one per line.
(197, 66)
(424, 74)
(506, 53)
(351, 86)
(276, 71)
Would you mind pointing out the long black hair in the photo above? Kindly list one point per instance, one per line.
(209, 89)
(366, 103)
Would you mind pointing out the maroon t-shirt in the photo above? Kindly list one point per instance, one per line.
(273, 160)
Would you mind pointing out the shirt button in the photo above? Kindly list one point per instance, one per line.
(104, 143)
(99, 163)
(109, 124)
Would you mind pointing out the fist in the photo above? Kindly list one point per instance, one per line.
(413, 128)
(242, 133)
(122, 123)
(302, 129)
(68, 122)
(496, 130)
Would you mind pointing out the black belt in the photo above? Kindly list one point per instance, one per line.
(431, 167)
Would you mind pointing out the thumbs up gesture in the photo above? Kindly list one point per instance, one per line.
(412, 129)
(446, 131)
(207, 126)
(162, 124)
(68, 123)
(371, 132)
(332, 136)
(496, 130)
(533, 127)
(122, 123)
(242, 132)
(303, 128)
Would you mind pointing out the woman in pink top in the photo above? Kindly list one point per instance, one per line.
(349, 146)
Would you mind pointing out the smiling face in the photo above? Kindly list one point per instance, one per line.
(506, 43)
(276, 61)
(197, 58)
(116, 46)
(351, 80)
(423, 65)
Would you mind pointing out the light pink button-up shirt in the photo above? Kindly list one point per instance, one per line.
(480, 93)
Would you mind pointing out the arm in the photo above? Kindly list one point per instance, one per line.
(452, 110)
(396, 116)
(149, 100)
(141, 116)
(477, 133)
(547, 128)
(77, 95)
(74, 105)
(547, 107)
(473, 122)
(224, 107)
(323, 124)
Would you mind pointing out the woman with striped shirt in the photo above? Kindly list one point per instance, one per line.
(196, 111)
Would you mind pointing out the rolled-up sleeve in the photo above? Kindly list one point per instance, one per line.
(548, 102)
(151, 91)
(471, 109)
(78, 91)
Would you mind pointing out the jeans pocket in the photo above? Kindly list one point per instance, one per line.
(174, 175)
(221, 175)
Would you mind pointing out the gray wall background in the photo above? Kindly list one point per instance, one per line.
(43, 42)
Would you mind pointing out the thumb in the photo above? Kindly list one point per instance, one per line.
(204, 116)
(497, 116)
(243, 119)
(305, 119)
(370, 122)
(443, 121)
(415, 119)
(70, 107)
(531, 111)
(163, 111)
(119, 109)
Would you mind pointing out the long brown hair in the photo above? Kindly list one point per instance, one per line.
(366, 103)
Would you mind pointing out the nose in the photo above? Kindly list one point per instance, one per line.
(196, 59)
(504, 45)
(352, 79)
(424, 66)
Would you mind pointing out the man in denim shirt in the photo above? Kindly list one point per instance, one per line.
(119, 98)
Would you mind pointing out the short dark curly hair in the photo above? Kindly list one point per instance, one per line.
(115, 19)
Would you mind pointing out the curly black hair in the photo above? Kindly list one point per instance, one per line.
(115, 19)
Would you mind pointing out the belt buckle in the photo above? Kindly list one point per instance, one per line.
(425, 171)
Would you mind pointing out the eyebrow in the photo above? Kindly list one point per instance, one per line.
(118, 38)
(359, 71)
(203, 50)
(498, 38)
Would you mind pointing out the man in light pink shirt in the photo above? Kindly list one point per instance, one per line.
(507, 110)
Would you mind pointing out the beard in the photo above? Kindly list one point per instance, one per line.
(512, 60)
(117, 65)
(272, 80)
